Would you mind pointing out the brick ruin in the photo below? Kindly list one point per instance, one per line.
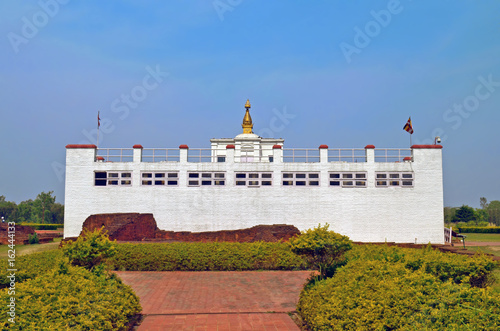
(143, 227)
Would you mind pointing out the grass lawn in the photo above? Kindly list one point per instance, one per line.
(495, 250)
(29, 249)
(482, 237)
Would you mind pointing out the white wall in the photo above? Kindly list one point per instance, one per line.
(370, 214)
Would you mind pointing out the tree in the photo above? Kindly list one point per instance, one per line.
(43, 203)
(483, 202)
(494, 212)
(26, 212)
(7, 208)
(43, 209)
(449, 213)
(57, 213)
(481, 217)
(464, 214)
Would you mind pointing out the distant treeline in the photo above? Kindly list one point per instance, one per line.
(488, 214)
(44, 209)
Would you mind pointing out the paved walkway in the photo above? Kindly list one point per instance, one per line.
(246, 300)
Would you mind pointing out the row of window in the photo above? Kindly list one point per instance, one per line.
(255, 179)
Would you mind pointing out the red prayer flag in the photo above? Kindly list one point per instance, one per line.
(98, 120)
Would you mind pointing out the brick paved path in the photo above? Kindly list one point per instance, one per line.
(246, 300)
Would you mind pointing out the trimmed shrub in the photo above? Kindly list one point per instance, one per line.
(30, 266)
(382, 295)
(90, 249)
(219, 256)
(476, 270)
(71, 298)
(479, 229)
(41, 226)
(323, 249)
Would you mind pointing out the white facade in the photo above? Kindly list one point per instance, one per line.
(407, 209)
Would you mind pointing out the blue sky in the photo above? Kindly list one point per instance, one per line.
(342, 73)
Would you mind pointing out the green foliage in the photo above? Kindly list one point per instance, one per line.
(464, 214)
(322, 248)
(43, 209)
(219, 256)
(479, 229)
(383, 295)
(494, 212)
(7, 208)
(38, 226)
(71, 298)
(29, 266)
(480, 217)
(90, 249)
(449, 213)
(483, 202)
(392, 288)
(33, 239)
(475, 271)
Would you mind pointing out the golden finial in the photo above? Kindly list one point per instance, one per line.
(247, 120)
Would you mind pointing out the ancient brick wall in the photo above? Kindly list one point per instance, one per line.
(142, 227)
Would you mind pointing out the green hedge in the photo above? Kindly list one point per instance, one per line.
(30, 266)
(383, 295)
(221, 256)
(71, 298)
(40, 226)
(476, 271)
(479, 229)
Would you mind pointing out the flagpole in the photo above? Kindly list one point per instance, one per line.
(98, 126)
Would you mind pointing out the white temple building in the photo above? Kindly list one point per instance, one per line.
(368, 194)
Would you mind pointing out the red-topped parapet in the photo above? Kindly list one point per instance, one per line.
(183, 147)
(230, 147)
(426, 146)
(323, 146)
(138, 146)
(81, 146)
(370, 147)
(277, 147)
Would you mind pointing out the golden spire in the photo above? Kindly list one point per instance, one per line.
(247, 120)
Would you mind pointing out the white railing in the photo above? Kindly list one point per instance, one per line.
(347, 155)
(293, 155)
(290, 155)
(392, 154)
(448, 235)
(116, 154)
(160, 155)
(201, 155)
